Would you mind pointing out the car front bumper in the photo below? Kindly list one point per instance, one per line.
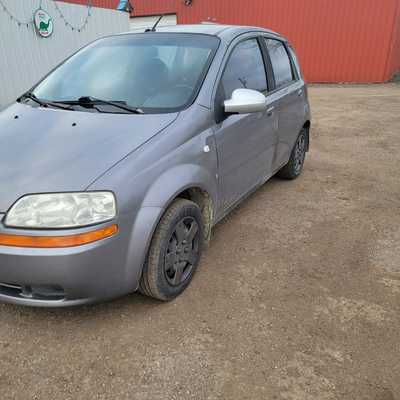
(62, 277)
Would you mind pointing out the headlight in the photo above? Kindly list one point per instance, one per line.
(62, 210)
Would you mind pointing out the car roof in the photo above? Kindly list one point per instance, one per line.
(226, 32)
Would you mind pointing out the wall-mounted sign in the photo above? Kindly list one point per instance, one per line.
(43, 23)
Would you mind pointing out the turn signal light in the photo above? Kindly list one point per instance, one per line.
(58, 241)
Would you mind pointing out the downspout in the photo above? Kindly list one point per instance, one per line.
(395, 28)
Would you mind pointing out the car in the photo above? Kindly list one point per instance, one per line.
(116, 166)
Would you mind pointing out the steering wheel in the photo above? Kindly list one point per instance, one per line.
(183, 86)
(179, 88)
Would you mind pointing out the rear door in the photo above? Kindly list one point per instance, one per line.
(289, 98)
(245, 143)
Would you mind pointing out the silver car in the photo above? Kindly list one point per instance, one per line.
(116, 166)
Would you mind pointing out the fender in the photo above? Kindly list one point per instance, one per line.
(146, 221)
(178, 179)
(157, 199)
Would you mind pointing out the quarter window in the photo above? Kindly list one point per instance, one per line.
(245, 69)
(280, 62)
(295, 60)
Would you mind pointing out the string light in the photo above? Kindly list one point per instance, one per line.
(14, 18)
(68, 24)
(79, 28)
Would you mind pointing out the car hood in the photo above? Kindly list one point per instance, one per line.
(52, 150)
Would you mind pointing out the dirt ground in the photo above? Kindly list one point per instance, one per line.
(297, 298)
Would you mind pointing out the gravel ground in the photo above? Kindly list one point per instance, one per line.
(297, 298)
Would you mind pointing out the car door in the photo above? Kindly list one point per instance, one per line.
(245, 143)
(289, 95)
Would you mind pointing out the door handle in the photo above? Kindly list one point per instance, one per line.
(270, 111)
(300, 92)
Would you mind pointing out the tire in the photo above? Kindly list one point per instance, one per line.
(294, 167)
(174, 253)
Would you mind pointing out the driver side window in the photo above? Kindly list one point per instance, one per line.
(245, 69)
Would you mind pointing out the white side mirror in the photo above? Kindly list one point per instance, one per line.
(245, 101)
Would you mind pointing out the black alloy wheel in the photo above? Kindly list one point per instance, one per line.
(175, 251)
(182, 252)
(294, 167)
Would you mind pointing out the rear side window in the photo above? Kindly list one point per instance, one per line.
(245, 69)
(280, 62)
(295, 60)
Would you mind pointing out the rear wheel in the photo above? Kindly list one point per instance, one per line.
(294, 167)
(174, 252)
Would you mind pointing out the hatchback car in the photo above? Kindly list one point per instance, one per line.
(116, 166)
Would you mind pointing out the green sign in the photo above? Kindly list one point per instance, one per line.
(43, 23)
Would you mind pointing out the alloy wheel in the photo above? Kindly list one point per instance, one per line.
(182, 251)
(299, 153)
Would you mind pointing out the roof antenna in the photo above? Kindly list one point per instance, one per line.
(153, 29)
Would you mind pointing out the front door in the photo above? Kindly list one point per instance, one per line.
(245, 143)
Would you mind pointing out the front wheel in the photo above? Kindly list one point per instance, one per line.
(174, 252)
(294, 167)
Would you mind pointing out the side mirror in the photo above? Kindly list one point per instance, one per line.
(245, 101)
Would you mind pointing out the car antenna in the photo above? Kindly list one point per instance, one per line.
(153, 29)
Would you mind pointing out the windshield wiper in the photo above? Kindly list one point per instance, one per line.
(43, 103)
(89, 101)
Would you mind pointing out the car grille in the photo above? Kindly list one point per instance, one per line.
(36, 292)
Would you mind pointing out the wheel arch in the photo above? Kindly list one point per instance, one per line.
(203, 199)
(189, 181)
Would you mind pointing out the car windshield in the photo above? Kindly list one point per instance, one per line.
(154, 72)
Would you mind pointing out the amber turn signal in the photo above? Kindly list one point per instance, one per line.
(58, 241)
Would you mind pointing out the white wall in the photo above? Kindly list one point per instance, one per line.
(25, 57)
